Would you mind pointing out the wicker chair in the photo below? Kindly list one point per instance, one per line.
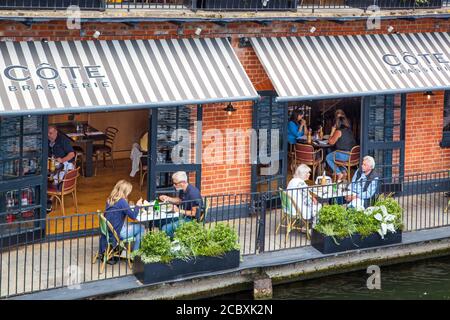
(68, 186)
(305, 153)
(353, 160)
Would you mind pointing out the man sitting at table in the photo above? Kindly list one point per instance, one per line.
(59, 146)
(364, 184)
(188, 203)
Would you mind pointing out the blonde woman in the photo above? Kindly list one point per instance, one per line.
(297, 189)
(117, 211)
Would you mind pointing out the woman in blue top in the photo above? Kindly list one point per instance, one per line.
(296, 126)
(117, 211)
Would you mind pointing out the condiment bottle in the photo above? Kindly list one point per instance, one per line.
(309, 137)
(320, 133)
(323, 182)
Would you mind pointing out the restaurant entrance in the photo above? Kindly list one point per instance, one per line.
(383, 132)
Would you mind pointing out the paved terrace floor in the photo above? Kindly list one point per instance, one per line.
(50, 264)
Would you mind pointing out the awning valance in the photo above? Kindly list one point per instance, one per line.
(306, 68)
(74, 76)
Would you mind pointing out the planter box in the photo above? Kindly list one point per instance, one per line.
(326, 244)
(149, 273)
(393, 4)
(243, 4)
(52, 4)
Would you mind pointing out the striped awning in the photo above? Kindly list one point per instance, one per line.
(74, 76)
(307, 68)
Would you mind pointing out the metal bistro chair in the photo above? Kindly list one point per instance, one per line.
(112, 251)
(305, 153)
(105, 149)
(291, 215)
(68, 186)
(353, 161)
(204, 213)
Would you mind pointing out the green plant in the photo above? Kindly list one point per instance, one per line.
(332, 219)
(191, 239)
(155, 247)
(338, 222)
(207, 242)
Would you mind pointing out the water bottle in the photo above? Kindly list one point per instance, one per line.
(156, 207)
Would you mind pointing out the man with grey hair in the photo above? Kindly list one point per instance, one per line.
(187, 203)
(364, 184)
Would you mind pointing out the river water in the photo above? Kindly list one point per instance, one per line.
(427, 279)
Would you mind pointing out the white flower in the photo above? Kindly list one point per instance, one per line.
(379, 217)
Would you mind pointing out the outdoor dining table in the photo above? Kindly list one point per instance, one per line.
(332, 191)
(148, 216)
(83, 136)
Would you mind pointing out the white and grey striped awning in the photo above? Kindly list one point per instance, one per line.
(306, 68)
(74, 76)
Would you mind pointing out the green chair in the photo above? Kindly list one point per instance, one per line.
(291, 216)
(112, 251)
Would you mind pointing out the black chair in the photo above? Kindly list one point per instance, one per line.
(105, 149)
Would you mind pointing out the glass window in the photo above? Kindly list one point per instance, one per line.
(447, 112)
(446, 126)
(20, 146)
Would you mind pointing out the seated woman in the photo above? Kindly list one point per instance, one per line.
(296, 126)
(343, 140)
(117, 211)
(297, 190)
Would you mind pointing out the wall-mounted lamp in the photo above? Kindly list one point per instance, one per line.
(294, 29)
(390, 29)
(313, 29)
(180, 30)
(428, 94)
(230, 109)
(198, 31)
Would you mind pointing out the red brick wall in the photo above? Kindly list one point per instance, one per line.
(424, 123)
(228, 169)
(226, 178)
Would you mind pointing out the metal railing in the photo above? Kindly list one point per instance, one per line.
(222, 5)
(42, 254)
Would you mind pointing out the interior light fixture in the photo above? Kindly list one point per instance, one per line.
(230, 109)
(428, 94)
(294, 29)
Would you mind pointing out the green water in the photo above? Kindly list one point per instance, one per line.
(427, 279)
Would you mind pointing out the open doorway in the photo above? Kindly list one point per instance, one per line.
(99, 170)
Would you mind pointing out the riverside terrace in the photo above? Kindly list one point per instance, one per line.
(47, 261)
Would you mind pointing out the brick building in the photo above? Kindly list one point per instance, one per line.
(420, 144)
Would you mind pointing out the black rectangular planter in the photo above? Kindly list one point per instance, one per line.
(149, 273)
(394, 4)
(244, 5)
(326, 244)
(53, 4)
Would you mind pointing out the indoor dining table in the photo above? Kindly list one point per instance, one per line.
(84, 136)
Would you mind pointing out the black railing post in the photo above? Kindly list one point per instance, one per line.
(261, 237)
